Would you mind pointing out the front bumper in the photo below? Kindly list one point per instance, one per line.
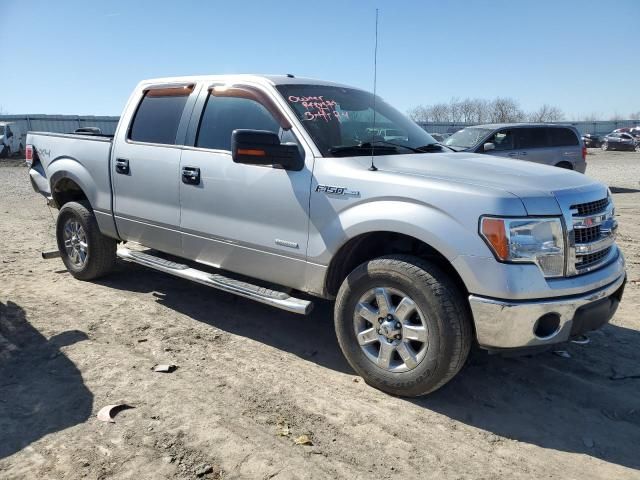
(503, 324)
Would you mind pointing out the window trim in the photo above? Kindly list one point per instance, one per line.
(184, 89)
(247, 92)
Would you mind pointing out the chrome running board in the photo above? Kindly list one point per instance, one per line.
(248, 290)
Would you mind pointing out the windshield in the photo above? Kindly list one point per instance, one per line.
(467, 137)
(341, 122)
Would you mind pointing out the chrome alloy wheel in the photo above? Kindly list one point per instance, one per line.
(75, 242)
(390, 329)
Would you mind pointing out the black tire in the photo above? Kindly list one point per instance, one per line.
(565, 165)
(100, 251)
(448, 323)
(4, 151)
(637, 147)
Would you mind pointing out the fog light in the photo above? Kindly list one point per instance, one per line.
(547, 325)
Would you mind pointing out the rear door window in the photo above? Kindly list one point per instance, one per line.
(502, 139)
(531, 138)
(223, 115)
(562, 137)
(158, 116)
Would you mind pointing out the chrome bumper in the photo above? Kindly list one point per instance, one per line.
(512, 324)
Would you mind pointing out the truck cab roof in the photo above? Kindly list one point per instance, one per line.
(255, 78)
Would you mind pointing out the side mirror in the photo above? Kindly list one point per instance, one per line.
(261, 147)
(487, 147)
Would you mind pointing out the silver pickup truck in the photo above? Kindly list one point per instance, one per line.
(281, 189)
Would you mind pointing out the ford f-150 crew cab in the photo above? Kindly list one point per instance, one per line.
(280, 189)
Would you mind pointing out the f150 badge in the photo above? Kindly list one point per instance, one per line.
(333, 190)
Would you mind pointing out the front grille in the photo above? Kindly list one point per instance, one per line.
(591, 259)
(587, 235)
(591, 207)
(593, 234)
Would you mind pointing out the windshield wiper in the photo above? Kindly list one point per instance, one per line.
(431, 147)
(415, 150)
(362, 149)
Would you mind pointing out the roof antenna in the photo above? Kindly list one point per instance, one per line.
(375, 78)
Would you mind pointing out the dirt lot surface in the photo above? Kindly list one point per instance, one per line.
(252, 379)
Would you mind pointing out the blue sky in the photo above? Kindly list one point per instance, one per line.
(84, 57)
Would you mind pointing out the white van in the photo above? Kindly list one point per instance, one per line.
(11, 139)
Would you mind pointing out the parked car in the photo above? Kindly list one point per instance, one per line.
(557, 145)
(440, 137)
(620, 141)
(267, 186)
(591, 140)
(393, 134)
(11, 139)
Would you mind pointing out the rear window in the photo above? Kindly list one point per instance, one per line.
(157, 118)
(562, 137)
(531, 137)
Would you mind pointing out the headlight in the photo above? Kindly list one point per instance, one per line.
(526, 240)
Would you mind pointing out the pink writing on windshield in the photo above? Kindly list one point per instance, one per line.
(319, 108)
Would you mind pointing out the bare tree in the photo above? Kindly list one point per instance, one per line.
(2, 111)
(418, 114)
(635, 116)
(504, 109)
(546, 113)
(479, 110)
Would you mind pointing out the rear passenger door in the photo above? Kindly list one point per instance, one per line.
(145, 167)
(532, 144)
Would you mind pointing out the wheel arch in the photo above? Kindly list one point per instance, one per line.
(370, 245)
(69, 180)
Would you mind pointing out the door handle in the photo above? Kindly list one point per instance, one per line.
(513, 154)
(523, 154)
(191, 175)
(122, 166)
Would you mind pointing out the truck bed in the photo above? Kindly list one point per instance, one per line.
(72, 157)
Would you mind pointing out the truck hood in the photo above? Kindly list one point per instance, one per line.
(538, 186)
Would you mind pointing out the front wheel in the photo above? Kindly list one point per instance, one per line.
(403, 325)
(605, 146)
(637, 147)
(86, 253)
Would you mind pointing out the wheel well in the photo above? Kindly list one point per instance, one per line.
(66, 190)
(566, 165)
(372, 245)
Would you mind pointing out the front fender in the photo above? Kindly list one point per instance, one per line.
(431, 225)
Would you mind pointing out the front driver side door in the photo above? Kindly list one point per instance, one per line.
(247, 219)
(503, 141)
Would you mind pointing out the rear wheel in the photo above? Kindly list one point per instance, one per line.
(403, 325)
(565, 165)
(86, 253)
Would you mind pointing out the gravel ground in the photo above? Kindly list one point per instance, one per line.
(251, 379)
